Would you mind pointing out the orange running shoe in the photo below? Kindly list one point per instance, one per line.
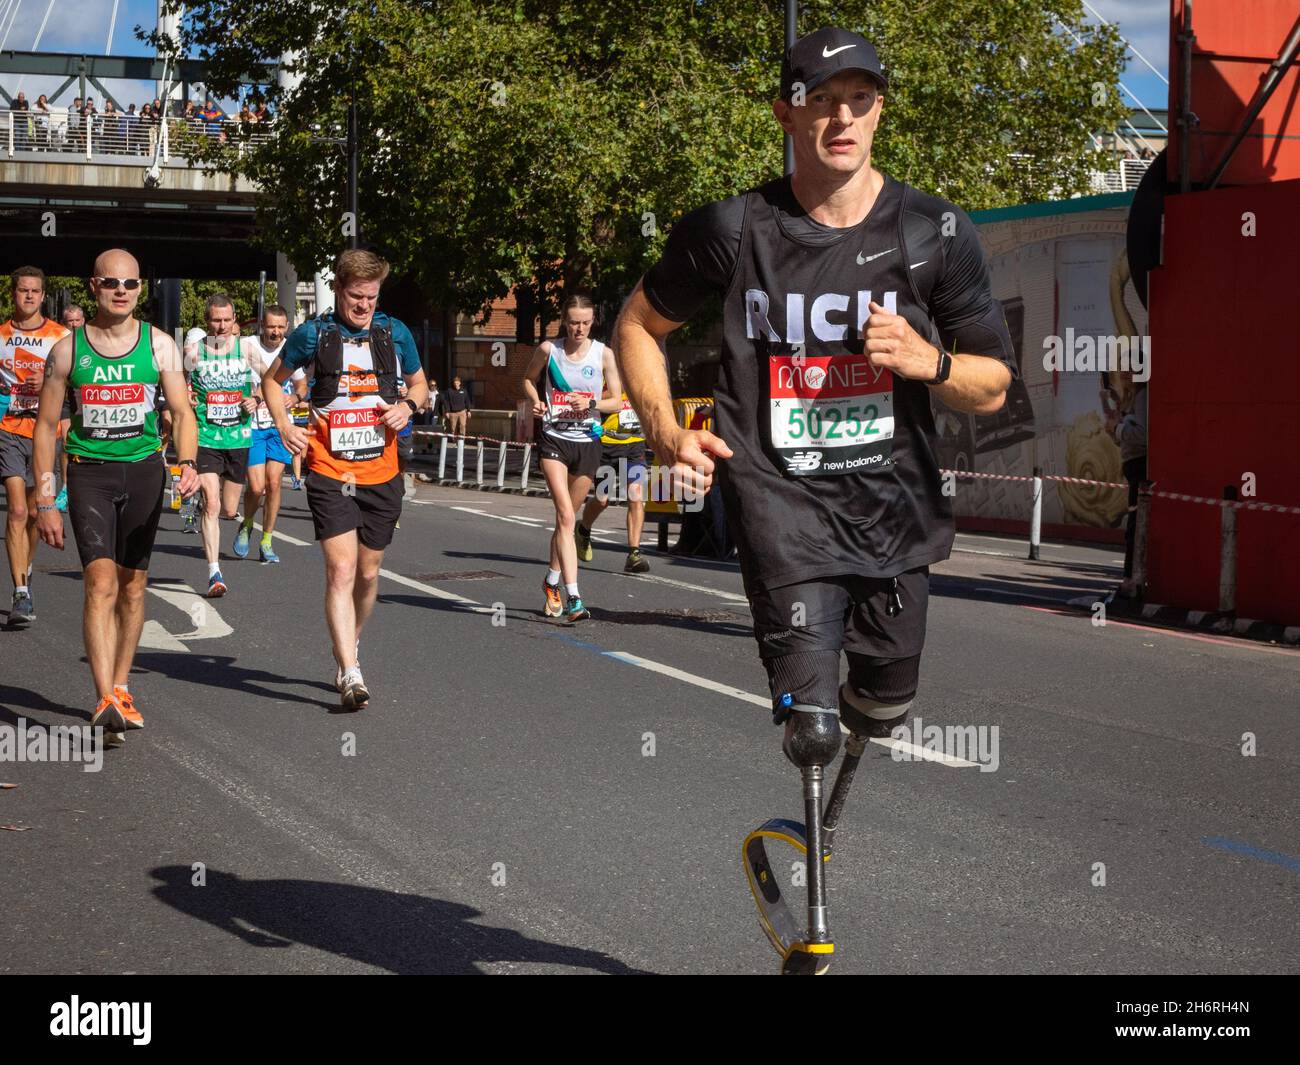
(130, 715)
(554, 603)
(109, 714)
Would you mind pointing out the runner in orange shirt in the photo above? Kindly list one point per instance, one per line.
(25, 343)
(354, 487)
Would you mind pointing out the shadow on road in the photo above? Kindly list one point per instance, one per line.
(222, 671)
(30, 700)
(400, 933)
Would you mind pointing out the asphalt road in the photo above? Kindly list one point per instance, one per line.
(515, 799)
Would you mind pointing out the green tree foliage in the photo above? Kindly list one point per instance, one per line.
(507, 140)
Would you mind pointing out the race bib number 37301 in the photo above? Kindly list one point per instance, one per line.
(830, 415)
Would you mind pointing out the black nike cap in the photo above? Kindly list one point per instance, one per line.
(820, 55)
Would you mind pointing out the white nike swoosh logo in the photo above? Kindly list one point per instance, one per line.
(827, 55)
(921, 263)
(862, 261)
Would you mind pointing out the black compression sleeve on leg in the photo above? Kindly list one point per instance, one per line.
(810, 678)
(879, 693)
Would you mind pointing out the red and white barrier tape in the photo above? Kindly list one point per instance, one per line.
(1235, 504)
(468, 439)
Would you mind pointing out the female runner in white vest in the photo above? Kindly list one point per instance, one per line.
(581, 385)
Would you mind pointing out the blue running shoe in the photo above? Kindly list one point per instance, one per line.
(574, 610)
(266, 554)
(242, 538)
(216, 586)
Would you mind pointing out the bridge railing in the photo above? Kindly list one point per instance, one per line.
(118, 134)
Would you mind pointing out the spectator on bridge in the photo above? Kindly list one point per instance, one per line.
(148, 130)
(91, 124)
(261, 112)
(456, 403)
(75, 120)
(246, 116)
(22, 122)
(131, 131)
(41, 121)
(212, 118)
(111, 134)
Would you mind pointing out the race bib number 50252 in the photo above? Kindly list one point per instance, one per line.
(830, 414)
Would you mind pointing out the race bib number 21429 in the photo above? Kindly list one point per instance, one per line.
(830, 415)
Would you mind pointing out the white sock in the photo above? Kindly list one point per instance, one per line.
(572, 589)
(213, 569)
(21, 589)
(553, 577)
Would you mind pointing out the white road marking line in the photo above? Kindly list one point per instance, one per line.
(923, 753)
(731, 597)
(917, 753)
(154, 637)
(489, 514)
(277, 535)
(210, 624)
(1024, 595)
(689, 678)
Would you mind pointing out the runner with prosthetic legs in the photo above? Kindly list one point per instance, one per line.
(849, 299)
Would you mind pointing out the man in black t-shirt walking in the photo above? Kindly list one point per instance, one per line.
(848, 299)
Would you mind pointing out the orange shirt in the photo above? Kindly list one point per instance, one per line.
(22, 360)
(348, 442)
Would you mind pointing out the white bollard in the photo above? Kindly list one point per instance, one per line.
(1228, 554)
(528, 452)
(460, 460)
(478, 478)
(1036, 519)
(501, 466)
(442, 460)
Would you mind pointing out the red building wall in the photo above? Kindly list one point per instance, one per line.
(1225, 395)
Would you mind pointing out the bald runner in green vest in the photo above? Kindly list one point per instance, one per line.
(115, 366)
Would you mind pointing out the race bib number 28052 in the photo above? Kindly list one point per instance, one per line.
(830, 415)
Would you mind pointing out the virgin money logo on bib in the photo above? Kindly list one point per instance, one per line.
(830, 414)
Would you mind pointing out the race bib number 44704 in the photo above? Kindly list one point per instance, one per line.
(113, 412)
(830, 415)
(357, 435)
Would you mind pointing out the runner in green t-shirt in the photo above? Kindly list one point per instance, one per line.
(221, 373)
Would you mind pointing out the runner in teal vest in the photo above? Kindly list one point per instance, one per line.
(116, 474)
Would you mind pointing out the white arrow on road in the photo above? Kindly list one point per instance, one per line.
(208, 624)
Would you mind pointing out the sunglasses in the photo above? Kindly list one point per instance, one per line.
(128, 283)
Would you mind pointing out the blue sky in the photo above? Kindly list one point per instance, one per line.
(82, 26)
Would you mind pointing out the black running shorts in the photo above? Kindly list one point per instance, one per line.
(843, 614)
(371, 509)
(580, 457)
(113, 508)
(230, 463)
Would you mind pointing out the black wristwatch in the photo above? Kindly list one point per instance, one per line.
(943, 370)
(412, 404)
(190, 463)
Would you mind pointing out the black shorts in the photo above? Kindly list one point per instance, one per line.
(621, 466)
(580, 457)
(113, 508)
(371, 509)
(405, 447)
(230, 463)
(843, 614)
